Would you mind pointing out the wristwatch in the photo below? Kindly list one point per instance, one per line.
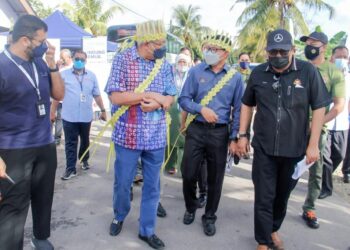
(241, 135)
(54, 70)
(103, 110)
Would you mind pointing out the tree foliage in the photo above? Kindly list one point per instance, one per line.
(90, 15)
(40, 9)
(263, 16)
(187, 26)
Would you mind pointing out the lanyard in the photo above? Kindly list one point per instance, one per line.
(34, 83)
(80, 80)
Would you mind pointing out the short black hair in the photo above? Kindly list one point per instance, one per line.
(27, 25)
(243, 53)
(79, 51)
(339, 47)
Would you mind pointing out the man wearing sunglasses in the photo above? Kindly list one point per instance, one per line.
(81, 89)
(27, 148)
(282, 89)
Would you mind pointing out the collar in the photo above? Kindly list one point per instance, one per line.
(244, 71)
(76, 73)
(292, 67)
(226, 67)
(134, 53)
(17, 59)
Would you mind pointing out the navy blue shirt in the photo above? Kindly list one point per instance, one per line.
(20, 126)
(201, 79)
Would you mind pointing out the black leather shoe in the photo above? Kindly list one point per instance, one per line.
(208, 226)
(115, 228)
(202, 200)
(161, 211)
(189, 217)
(324, 195)
(153, 241)
(346, 178)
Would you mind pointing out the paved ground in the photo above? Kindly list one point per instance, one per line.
(82, 212)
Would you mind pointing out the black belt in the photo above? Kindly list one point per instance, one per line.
(210, 125)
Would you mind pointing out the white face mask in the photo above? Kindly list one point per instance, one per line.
(341, 64)
(211, 58)
(182, 69)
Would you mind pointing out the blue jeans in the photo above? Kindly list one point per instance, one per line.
(124, 171)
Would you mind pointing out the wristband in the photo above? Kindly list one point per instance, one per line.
(54, 70)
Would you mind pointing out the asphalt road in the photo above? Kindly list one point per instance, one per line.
(82, 212)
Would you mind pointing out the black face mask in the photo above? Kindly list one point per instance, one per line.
(311, 52)
(279, 62)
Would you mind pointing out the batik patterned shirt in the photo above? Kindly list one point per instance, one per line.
(137, 129)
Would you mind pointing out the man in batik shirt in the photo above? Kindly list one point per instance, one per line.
(141, 130)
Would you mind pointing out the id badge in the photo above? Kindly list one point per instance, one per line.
(40, 106)
(82, 97)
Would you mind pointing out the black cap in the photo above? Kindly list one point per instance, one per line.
(319, 36)
(279, 39)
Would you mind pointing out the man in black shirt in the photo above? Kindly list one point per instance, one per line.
(283, 90)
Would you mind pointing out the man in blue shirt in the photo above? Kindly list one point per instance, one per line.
(26, 143)
(208, 135)
(81, 88)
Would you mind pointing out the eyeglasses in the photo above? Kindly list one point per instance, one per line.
(211, 49)
(79, 59)
(33, 39)
(275, 52)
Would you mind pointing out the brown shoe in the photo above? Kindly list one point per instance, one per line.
(277, 242)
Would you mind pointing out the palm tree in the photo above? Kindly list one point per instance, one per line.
(188, 26)
(89, 15)
(262, 16)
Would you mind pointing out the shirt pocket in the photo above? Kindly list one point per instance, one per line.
(295, 97)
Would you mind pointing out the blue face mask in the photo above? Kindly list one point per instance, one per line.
(341, 64)
(244, 65)
(159, 53)
(40, 50)
(78, 64)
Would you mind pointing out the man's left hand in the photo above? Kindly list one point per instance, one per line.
(149, 104)
(233, 148)
(50, 55)
(312, 154)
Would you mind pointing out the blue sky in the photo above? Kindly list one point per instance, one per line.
(216, 14)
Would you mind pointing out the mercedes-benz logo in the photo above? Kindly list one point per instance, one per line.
(278, 38)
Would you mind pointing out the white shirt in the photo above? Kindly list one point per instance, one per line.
(341, 121)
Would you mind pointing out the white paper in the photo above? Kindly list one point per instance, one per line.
(301, 168)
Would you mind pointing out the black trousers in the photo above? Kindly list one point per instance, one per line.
(273, 183)
(346, 162)
(72, 132)
(33, 170)
(333, 155)
(203, 140)
(202, 178)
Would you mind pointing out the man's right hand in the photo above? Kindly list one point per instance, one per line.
(209, 115)
(2, 168)
(52, 117)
